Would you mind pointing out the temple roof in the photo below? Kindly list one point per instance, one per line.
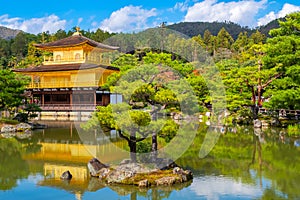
(75, 40)
(64, 67)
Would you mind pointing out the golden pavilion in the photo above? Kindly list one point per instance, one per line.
(69, 81)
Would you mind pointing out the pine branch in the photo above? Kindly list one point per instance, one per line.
(123, 136)
(271, 80)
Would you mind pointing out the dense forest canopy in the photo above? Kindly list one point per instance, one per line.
(192, 29)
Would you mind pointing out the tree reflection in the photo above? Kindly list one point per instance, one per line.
(12, 167)
(251, 156)
(154, 193)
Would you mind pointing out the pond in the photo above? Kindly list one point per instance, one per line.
(244, 164)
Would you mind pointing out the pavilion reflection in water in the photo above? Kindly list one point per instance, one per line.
(63, 149)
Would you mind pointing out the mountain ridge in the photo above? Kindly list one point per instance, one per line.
(197, 28)
(8, 33)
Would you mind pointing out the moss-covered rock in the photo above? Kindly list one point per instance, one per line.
(142, 175)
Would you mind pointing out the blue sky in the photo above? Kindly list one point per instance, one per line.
(136, 15)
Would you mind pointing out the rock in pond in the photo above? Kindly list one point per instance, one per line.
(185, 175)
(23, 127)
(127, 170)
(66, 175)
(275, 122)
(103, 173)
(8, 128)
(169, 180)
(257, 123)
(94, 166)
(165, 163)
(144, 183)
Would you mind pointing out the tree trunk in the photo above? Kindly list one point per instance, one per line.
(132, 147)
(254, 107)
(133, 196)
(154, 134)
(131, 143)
(154, 147)
(259, 85)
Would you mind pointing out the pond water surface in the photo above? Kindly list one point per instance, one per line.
(242, 165)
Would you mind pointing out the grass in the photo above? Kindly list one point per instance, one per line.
(8, 121)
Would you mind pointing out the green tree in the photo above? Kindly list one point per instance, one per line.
(200, 89)
(241, 43)
(30, 111)
(283, 54)
(245, 82)
(223, 44)
(209, 41)
(152, 89)
(101, 35)
(60, 34)
(258, 37)
(19, 45)
(224, 39)
(33, 58)
(12, 87)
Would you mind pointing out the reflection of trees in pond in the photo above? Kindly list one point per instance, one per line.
(271, 194)
(77, 187)
(30, 145)
(281, 164)
(155, 192)
(12, 167)
(237, 154)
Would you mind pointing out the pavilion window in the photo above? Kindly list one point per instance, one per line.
(60, 97)
(47, 98)
(58, 58)
(77, 56)
(98, 58)
(99, 99)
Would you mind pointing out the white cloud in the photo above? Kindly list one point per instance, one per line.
(211, 187)
(94, 24)
(128, 19)
(49, 23)
(241, 12)
(181, 6)
(286, 9)
(80, 19)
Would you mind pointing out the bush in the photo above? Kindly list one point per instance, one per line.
(169, 130)
(143, 147)
(294, 130)
(8, 121)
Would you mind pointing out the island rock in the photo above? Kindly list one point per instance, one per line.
(142, 174)
(66, 175)
(257, 123)
(8, 128)
(94, 166)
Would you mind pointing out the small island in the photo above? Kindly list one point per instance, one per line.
(140, 174)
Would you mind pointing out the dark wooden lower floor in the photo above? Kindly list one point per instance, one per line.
(72, 100)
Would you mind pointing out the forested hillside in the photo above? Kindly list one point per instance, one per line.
(195, 28)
